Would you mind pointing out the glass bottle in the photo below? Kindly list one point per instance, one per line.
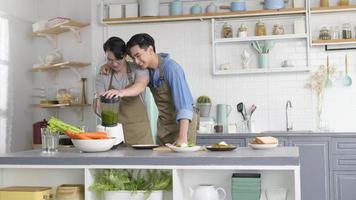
(324, 3)
(260, 28)
(227, 30)
(335, 32)
(346, 31)
(242, 31)
(344, 2)
(324, 33)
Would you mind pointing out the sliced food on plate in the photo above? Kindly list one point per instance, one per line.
(221, 146)
(184, 147)
(266, 142)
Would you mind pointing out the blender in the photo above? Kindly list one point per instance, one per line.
(108, 112)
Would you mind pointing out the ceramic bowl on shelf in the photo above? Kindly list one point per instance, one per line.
(94, 145)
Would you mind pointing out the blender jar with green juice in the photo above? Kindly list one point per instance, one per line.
(109, 110)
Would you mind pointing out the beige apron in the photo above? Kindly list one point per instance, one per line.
(133, 116)
(167, 127)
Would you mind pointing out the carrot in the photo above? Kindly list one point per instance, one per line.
(86, 135)
(95, 135)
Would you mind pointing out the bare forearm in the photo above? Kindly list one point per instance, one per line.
(134, 90)
(183, 131)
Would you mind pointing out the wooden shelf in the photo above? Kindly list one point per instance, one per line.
(261, 71)
(62, 65)
(61, 105)
(60, 28)
(267, 37)
(248, 13)
(333, 9)
(333, 42)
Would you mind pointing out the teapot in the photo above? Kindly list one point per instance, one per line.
(207, 192)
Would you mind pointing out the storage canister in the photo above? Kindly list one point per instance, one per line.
(324, 3)
(346, 31)
(176, 7)
(260, 28)
(273, 4)
(227, 30)
(149, 7)
(242, 31)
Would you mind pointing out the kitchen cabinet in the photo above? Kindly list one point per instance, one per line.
(327, 161)
(343, 168)
(314, 171)
(278, 168)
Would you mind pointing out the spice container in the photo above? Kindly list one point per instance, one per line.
(344, 2)
(260, 28)
(324, 3)
(242, 31)
(346, 31)
(278, 29)
(335, 32)
(227, 30)
(324, 33)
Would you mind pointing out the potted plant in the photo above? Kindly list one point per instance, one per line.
(204, 105)
(131, 184)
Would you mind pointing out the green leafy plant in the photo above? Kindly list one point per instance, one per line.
(203, 99)
(132, 180)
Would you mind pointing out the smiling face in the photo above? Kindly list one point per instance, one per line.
(114, 63)
(142, 57)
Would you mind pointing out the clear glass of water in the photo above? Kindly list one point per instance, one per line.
(50, 140)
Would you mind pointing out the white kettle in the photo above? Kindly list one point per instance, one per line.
(207, 192)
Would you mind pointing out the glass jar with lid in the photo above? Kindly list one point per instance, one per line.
(324, 33)
(242, 31)
(226, 30)
(346, 31)
(344, 2)
(260, 28)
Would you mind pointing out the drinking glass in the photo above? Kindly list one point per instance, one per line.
(50, 140)
(276, 194)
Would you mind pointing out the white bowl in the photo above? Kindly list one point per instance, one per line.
(94, 145)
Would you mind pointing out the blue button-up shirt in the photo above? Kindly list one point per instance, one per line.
(174, 75)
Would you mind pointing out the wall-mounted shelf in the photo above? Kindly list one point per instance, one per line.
(262, 71)
(255, 38)
(247, 13)
(333, 42)
(60, 105)
(52, 32)
(333, 9)
(62, 65)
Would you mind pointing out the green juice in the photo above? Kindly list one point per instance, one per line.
(109, 118)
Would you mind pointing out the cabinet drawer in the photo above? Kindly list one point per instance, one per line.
(210, 141)
(344, 146)
(341, 162)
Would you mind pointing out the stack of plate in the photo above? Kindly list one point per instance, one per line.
(246, 186)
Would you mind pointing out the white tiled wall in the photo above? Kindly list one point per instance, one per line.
(189, 43)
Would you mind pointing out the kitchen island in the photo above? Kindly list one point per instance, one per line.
(279, 167)
(327, 159)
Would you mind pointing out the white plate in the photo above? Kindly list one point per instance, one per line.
(184, 149)
(262, 146)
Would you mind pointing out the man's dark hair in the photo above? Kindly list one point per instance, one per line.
(143, 40)
(117, 46)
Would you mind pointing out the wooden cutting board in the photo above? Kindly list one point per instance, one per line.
(162, 149)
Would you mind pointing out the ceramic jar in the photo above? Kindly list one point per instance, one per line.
(211, 8)
(196, 9)
(176, 7)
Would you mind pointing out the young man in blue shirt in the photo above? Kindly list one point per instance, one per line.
(176, 119)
